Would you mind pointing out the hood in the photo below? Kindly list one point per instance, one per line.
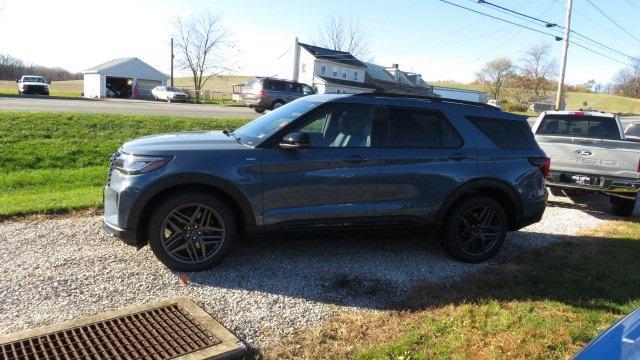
(187, 141)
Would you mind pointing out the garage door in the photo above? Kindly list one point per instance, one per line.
(145, 87)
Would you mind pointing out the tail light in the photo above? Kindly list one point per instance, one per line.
(544, 163)
(262, 94)
(638, 166)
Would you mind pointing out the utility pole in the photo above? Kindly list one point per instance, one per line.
(172, 56)
(565, 43)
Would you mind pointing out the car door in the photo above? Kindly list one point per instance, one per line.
(422, 160)
(330, 183)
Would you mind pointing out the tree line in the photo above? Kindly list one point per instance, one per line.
(12, 68)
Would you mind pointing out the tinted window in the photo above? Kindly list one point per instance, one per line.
(633, 130)
(507, 134)
(580, 126)
(293, 88)
(273, 85)
(341, 125)
(419, 129)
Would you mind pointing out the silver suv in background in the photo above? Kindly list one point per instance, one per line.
(590, 152)
(269, 93)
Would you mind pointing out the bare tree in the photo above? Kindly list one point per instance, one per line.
(338, 33)
(538, 68)
(627, 81)
(495, 75)
(200, 41)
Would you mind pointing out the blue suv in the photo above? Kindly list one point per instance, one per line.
(464, 172)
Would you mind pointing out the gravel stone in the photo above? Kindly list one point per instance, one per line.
(55, 270)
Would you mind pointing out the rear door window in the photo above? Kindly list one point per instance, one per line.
(507, 134)
(415, 128)
(596, 127)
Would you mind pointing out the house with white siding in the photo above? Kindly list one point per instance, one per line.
(332, 71)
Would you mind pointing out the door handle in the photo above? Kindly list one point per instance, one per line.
(355, 159)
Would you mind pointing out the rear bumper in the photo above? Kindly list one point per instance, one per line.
(621, 187)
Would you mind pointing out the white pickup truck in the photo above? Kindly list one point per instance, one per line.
(32, 84)
(589, 152)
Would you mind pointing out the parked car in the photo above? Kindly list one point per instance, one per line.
(268, 93)
(496, 103)
(633, 132)
(169, 94)
(32, 84)
(467, 172)
(621, 341)
(589, 153)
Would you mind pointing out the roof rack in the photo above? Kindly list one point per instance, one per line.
(430, 98)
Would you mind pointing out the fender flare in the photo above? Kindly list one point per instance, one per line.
(194, 179)
(475, 186)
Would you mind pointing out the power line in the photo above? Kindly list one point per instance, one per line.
(613, 21)
(542, 32)
(503, 20)
(546, 23)
(632, 4)
(549, 24)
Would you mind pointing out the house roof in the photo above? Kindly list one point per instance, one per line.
(342, 57)
(108, 64)
(378, 73)
(345, 82)
(120, 61)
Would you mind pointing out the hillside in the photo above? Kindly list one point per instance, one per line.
(604, 102)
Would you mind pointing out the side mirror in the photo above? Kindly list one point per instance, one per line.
(18, 81)
(296, 141)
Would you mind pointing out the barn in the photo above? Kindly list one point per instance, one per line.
(125, 78)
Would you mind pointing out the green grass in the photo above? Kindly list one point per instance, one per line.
(545, 304)
(55, 162)
(604, 102)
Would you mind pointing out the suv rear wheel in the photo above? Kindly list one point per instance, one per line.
(277, 104)
(621, 206)
(191, 231)
(474, 230)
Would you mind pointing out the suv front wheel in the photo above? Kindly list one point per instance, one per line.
(191, 231)
(475, 230)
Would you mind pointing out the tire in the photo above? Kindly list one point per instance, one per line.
(467, 217)
(259, 109)
(177, 241)
(556, 191)
(276, 104)
(622, 207)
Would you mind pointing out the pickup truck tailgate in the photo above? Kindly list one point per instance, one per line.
(613, 158)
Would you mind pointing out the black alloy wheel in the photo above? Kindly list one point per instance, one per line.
(475, 229)
(191, 231)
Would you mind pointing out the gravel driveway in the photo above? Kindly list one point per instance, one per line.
(56, 270)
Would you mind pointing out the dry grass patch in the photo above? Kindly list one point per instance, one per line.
(545, 304)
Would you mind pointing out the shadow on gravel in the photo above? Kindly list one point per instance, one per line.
(372, 272)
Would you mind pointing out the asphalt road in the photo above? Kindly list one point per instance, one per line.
(14, 103)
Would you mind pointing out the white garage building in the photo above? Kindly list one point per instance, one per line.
(125, 78)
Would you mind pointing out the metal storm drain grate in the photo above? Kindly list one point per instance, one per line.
(165, 330)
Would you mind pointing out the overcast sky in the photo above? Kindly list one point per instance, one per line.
(428, 36)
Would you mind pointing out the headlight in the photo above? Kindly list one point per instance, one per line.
(139, 164)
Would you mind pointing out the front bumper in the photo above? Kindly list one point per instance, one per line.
(621, 187)
(129, 237)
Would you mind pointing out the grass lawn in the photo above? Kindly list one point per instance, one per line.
(545, 304)
(56, 162)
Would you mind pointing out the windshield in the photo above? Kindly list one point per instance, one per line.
(172, 89)
(633, 130)
(33, 79)
(268, 124)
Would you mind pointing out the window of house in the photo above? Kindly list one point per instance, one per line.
(323, 70)
(335, 71)
(414, 128)
(355, 75)
(344, 73)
